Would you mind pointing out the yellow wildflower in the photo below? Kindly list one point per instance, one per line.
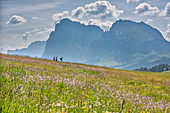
(83, 107)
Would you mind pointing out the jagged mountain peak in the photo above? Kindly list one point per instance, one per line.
(125, 23)
(136, 30)
(75, 24)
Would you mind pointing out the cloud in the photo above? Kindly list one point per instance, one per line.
(37, 18)
(105, 25)
(3, 51)
(128, 1)
(59, 16)
(26, 35)
(16, 20)
(35, 30)
(91, 14)
(167, 33)
(98, 9)
(4, 48)
(166, 11)
(168, 26)
(78, 12)
(45, 30)
(149, 21)
(146, 9)
(37, 6)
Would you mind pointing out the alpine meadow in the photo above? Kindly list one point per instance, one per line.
(84, 56)
(35, 85)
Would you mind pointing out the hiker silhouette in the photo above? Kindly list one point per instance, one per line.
(56, 59)
(61, 59)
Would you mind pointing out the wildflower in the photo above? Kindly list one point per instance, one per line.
(62, 110)
(129, 110)
(58, 104)
(90, 107)
(85, 110)
(83, 107)
(71, 106)
(108, 112)
(53, 104)
(31, 77)
(76, 105)
(66, 106)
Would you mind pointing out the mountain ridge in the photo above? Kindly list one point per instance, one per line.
(124, 43)
(35, 49)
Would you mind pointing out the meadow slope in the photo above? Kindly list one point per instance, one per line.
(37, 85)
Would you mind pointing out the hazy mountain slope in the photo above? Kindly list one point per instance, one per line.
(35, 49)
(129, 42)
(71, 40)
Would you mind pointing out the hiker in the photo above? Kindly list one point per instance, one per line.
(56, 59)
(61, 59)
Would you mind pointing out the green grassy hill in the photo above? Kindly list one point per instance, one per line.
(166, 72)
(36, 85)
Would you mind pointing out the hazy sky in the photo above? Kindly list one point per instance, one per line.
(26, 21)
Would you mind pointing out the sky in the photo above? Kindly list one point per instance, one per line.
(26, 21)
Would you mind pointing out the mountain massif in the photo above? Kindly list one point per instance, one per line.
(126, 45)
(129, 44)
(71, 40)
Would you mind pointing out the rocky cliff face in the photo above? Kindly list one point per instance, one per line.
(71, 40)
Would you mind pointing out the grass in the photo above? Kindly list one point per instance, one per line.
(37, 85)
